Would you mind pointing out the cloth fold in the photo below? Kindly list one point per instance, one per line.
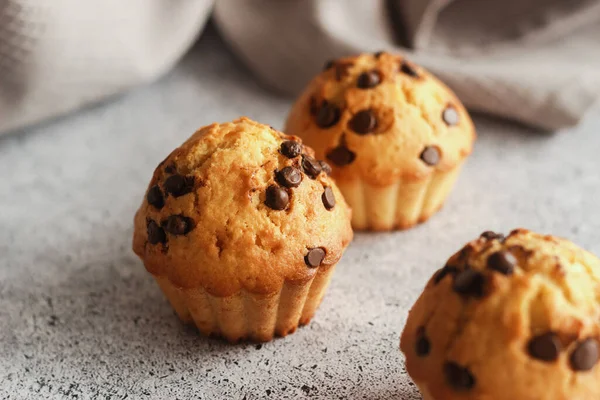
(535, 61)
(57, 56)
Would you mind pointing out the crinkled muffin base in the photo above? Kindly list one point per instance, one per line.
(400, 205)
(246, 315)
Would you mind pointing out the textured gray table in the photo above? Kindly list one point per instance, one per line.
(80, 317)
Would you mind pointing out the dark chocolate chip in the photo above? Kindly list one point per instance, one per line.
(363, 122)
(490, 235)
(328, 115)
(328, 198)
(408, 69)
(459, 378)
(502, 261)
(178, 224)
(311, 167)
(291, 148)
(422, 344)
(544, 347)
(379, 54)
(289, 177)
(313, 106)
(156, 234)
(368, 80)
(155, 197)
(328, 64)
(178, 185)
(276, 198)
(341, 156)
(170, 169)
(314, 257)
(450, 116)
(441, 273)
(430, 155)
(325, 167)
(585, 356)
(469, 283)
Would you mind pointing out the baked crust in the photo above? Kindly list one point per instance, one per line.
(408, 104)
(522, 324)
(225, 237)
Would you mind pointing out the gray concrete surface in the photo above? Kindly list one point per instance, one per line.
(81, 319)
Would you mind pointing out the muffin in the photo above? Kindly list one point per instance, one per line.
(513, 318)
(242, 228)
(395, 136)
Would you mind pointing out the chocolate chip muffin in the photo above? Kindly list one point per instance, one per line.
(508, 318)
(394, 135)
(242, 227)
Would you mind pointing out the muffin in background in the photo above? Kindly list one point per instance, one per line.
(395, 137)
(242, 228)
(508, 318)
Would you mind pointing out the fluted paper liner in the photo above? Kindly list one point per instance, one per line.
(399, 205)
(246, 315)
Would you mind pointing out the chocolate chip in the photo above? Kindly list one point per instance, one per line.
(408, 69)
(363, 122)
(502, 261)
(422, 345)
(585, 356)
(450, 116)
(155, 197)
(490, 235)
(178, 225)
(311, 167)
(430, 155)
(170, 169)
(291, 148)
(155, 233)
(469, 283)
(328, 198)
(328, 64)
(325, 167)
(314, 257)
(544, 347)
(379, 54)
(341, 156)
(368, 80)
(313, 107)
(459, 378)
(441, 274)
(178, 185)
(328, 115)
(289, 177)
(276, 197)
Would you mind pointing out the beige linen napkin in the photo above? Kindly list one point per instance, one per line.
(536, 61)
(59, 55)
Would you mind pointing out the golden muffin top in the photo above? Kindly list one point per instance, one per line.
(240, 205)
(380, 118)
(509, 318)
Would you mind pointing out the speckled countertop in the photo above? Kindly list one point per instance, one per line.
(80, 318)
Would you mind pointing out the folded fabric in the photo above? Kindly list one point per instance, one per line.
(536, 61)
(57, 56)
